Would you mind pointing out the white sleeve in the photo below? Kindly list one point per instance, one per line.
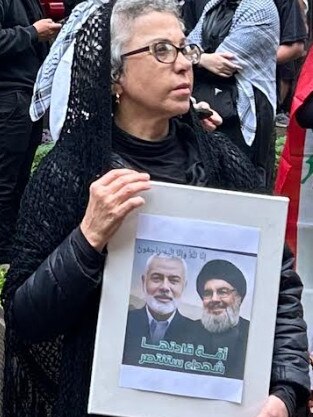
(60, 93)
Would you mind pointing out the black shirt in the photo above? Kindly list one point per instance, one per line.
(176, 158)
(21, 55)
(292, 28)
(304, 114)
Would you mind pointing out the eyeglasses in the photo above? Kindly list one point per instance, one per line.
(220, 292)
(167, 53)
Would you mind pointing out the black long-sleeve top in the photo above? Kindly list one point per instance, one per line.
(304, 114)
(21, 54)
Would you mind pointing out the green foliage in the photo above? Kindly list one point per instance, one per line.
(42, 151)
(3, 271)
(280, 142)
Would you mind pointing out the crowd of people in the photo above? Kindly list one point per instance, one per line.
(138, 90)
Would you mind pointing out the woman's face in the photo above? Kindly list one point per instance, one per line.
(150, 87)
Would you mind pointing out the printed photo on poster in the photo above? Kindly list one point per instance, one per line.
(190, 308)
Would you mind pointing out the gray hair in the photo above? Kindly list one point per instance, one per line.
(123, 14)
(164, 256)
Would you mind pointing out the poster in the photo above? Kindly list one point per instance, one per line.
(164, 371)
(195, 281)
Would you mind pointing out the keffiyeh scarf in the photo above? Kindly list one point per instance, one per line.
(253, 39)
(43, 86)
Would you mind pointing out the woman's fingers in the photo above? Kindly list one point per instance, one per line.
(127, 191)
(112, 175)
(116, 179)
(129, 205)
(111, 197)
(126, 181)
(116, 175)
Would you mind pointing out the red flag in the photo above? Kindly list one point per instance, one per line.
(290, 176)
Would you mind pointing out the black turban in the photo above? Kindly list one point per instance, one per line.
(225, 270)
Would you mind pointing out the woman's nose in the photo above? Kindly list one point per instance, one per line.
(182, 62)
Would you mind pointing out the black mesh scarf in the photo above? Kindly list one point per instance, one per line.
(52, 207)
(51, 379)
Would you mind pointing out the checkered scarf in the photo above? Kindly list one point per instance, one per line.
(253, 39)
(42, 88)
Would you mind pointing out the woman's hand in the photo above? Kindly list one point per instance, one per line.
(274, 407)
(209, 123)
(220, 63)
(111, 198)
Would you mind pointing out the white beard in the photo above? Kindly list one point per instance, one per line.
(222, 322)
(161, 308)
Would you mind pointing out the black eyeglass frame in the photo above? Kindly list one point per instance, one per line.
(218, 293)
(151, 49)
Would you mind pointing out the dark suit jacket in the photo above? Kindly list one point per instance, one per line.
(180, 330)
(234, 339)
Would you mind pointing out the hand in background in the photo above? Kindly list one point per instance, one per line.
(220, 63)
(46, 29)
(209, 123)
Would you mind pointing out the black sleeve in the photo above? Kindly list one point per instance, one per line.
(69, 5)
(292, 27)
(51, 300)
(189, 15)
(304, 114)
(290, 371)
(237, 171)
(15, 39)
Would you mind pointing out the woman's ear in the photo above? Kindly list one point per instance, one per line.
(116, 88)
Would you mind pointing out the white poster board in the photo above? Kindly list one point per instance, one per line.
(200, 225)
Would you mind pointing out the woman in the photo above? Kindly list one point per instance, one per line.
(76, 202)
(237, 72)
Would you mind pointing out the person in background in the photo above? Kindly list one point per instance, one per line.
(292, 37)
(236, 73)
(293, 34)
(97, 174)
(24, 34)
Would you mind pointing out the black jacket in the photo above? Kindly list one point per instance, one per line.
(21, 54)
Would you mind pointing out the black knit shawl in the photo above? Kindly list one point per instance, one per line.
(52, 206)
(51, 379)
